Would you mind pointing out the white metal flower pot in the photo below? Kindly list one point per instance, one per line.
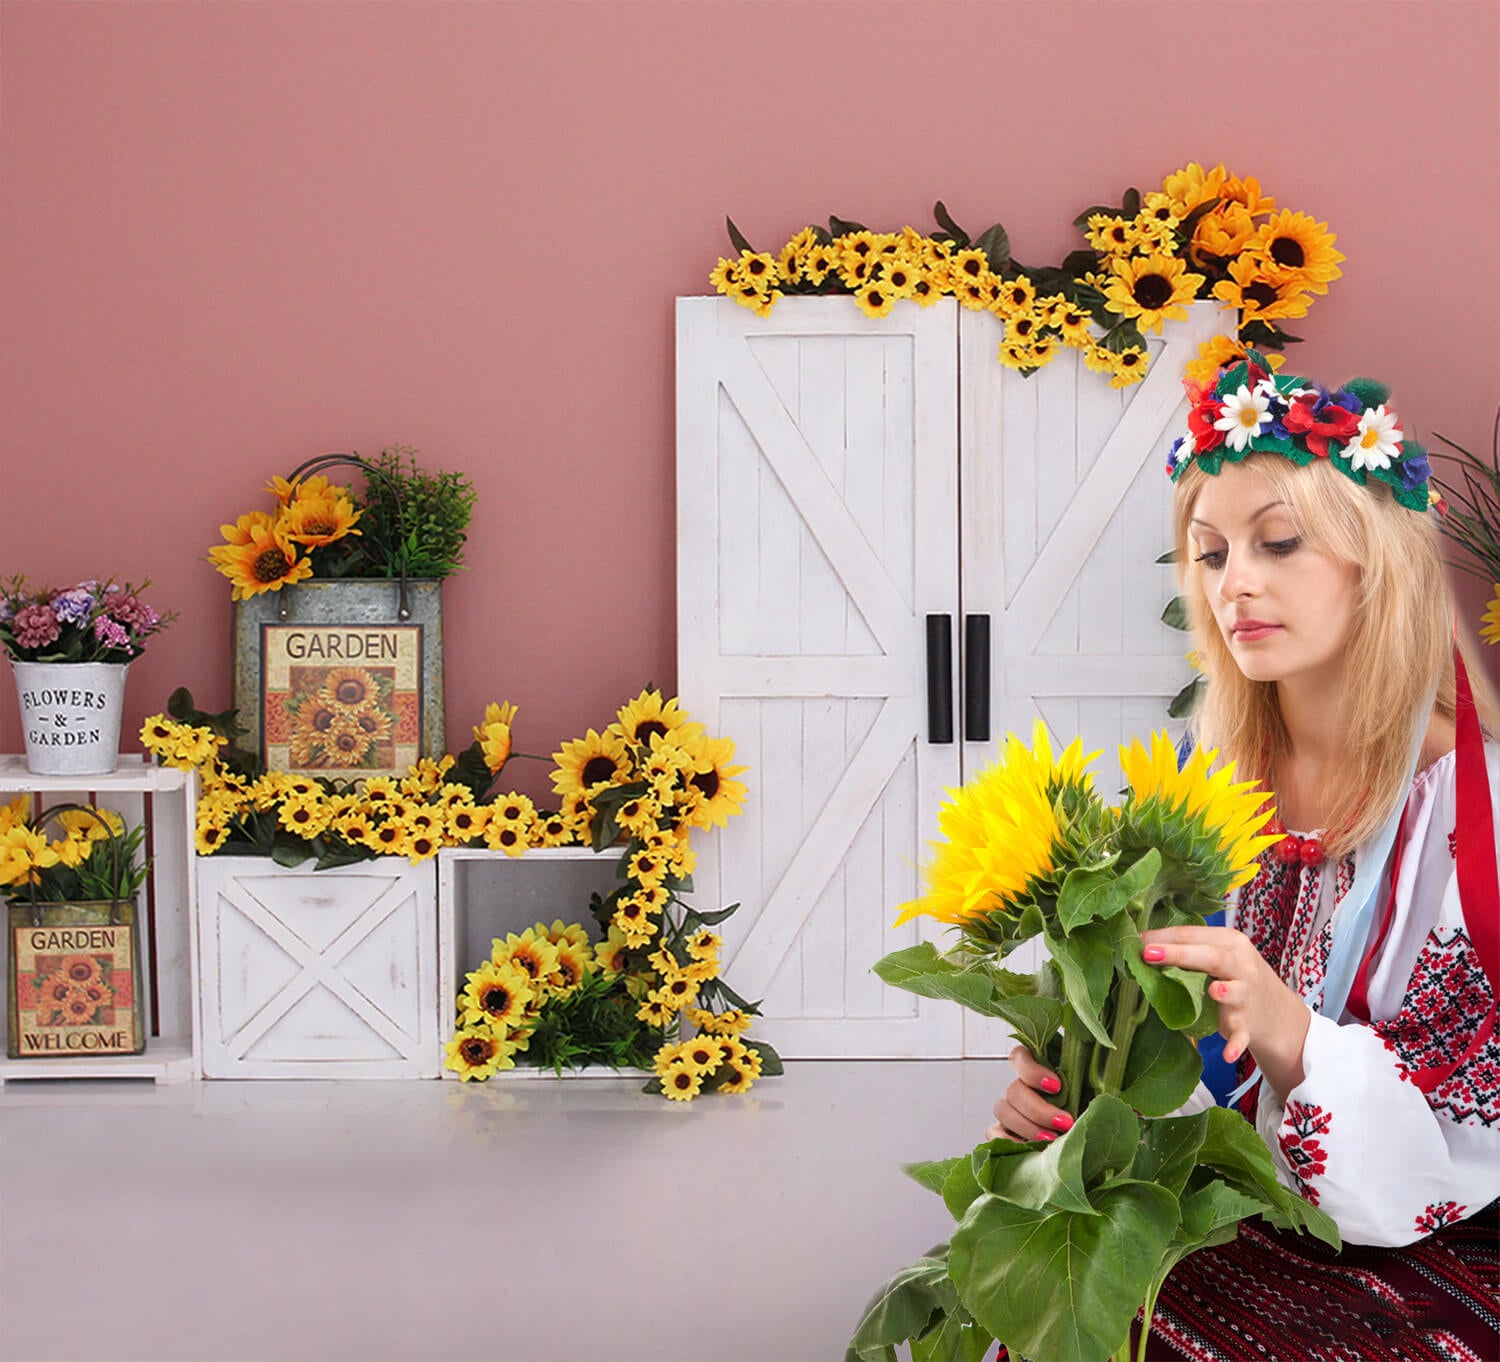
(70, 715)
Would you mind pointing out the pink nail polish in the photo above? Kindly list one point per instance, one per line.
(1063, 1121)
(1050, 1084)
(1045, 1135)
(1155, 954)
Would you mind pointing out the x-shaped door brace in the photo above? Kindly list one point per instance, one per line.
(319, 967)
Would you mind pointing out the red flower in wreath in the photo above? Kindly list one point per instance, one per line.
(1331, 423)
(1201, 418)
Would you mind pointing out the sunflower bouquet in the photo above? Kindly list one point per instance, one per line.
(1060, 1245)
(405, 523)
(93, 857)
(1201, 234)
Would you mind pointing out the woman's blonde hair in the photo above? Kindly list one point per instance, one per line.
(1401, 644)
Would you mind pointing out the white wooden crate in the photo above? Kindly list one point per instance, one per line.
(164, 800)
(318, 974)
(483, 894)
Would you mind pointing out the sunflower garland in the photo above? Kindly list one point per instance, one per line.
(641, 787)
(1202, 234)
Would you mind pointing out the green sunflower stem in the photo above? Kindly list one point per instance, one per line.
(1130, 1012)
(1073, 1067)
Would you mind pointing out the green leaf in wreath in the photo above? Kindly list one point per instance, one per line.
(1163, 1068)
(697, 918)
(996, 246)
(1175, 614)
(1059, 1286)
(1186, 700)
(959, 237)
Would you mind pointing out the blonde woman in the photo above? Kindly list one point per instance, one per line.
(1356, 983)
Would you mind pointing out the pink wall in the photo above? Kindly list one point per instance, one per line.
(237, 234)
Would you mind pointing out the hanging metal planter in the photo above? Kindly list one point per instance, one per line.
(342, 677)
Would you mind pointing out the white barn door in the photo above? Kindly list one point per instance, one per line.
(817, 503)
(1066, 506)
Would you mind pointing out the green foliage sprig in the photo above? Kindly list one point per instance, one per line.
(415, 523)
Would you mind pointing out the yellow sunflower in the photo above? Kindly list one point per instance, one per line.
(1221, 233)
(422, 845)
(1001, 829)
(1187, 188)
(574, 933)
(1259, 295)
(476, 1052)
(387, 837)
(551, 830)
(702, 1055)
(1129, 367)
(731, 1023)
(1151, 289)
(681, 1084)
(819, 263)
(875, 299)
(511, 837)
(795, 252)
(210, 834)
(735, 1076)
(704, 944)
(15, 813)
(346, 743)
(654, 1013)
(714, 779)
(513, 808)
(266, 561)
(609, 954)
(24, 854)
(1299, 249)
(348, 688)
(1211, 805)
(1112, 235)
(496, 993)
(493, 735)
(1217, 353)
(648, 717)
(592, 760)
(530, 951)
(574, 965)
(313, 519)
(467, 822)
(1490, 633)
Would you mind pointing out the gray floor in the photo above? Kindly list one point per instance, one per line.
(432, 1222)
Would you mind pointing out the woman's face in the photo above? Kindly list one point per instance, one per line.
(1286, 610)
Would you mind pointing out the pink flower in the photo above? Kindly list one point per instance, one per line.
(129, 610)
(35, 626)
(107, 631)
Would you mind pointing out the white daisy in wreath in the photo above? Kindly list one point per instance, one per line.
(1377, 442)
(1244, 414)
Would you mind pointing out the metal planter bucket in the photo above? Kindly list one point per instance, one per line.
(70, 715)
(75, 981)
(342, 678)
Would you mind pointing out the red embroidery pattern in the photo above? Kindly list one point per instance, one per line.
(1304, 1155)
(1453, 844)
(1446, 1002)
(1440, 1213)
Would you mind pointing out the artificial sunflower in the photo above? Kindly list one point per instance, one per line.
(1185, 189)
(681, 1084)
(1211, 823)
(590, 761)
(609, 954)
(819, 263)
(714, 779)
(875, 299)
(1221, 234)
(305, 815)
(1110, 234)
(493, 735)
(24, 854)
(655, 1013)
(422, 846)
(511, 838)
(1262, 296)
(210, 834)
(1490, 633)
(1298, 248)
(701, 1055)
(1151, 289)
(704, 944)
(734, 1077)
(477, 1052)
(466, 822)
(531, 951)
(348, 688)
(1129, 366)
(572, 968)
(648, 717)
(496, 993)
(266, 561)
(315, 519)
(387, 837)
(513, 808)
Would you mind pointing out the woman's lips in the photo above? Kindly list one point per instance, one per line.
(1247, 631)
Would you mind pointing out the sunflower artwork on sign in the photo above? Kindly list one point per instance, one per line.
(360, 717)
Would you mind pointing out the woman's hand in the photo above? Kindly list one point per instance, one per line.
(1257, 1012)
(1026, 1112)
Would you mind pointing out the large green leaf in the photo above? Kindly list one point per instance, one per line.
(1033, 1021)
(921, 969)
(1178, 996)
(960, 1187)
(1086, 962)
(1232, 1147)
(932, 1173)
(1059, 1286)
(951, 1340)
(1168, 1150)
(1163, 1068)
(1103, 891)
(906, 1307)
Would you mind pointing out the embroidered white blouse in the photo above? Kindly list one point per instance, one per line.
(1377, 1134)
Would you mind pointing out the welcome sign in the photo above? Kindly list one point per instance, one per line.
(75, 992)
(341, 700)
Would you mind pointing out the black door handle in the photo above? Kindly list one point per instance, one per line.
(976, 678)
(939, 678)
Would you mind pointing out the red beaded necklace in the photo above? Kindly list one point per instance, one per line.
(1292, 848)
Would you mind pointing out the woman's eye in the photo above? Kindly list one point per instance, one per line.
(1212, 559)
(1282, 547)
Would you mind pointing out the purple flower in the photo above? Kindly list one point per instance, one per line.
(108, 632)
(35, 626)
(73, 606)
(1414, 469)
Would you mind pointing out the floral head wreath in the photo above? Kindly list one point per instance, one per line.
(1248, 409)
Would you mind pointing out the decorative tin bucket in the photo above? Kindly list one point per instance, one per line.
(75, 980)
(341, 677)
(70, 715)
